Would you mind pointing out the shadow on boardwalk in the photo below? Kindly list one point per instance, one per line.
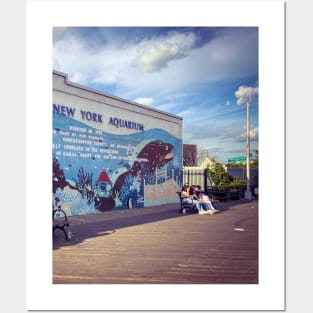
(106, 223)
(159, 245)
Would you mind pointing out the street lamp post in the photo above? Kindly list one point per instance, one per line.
(248, 193)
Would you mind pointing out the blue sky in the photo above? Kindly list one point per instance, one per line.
(203, 74)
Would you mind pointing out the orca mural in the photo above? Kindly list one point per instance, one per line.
(97, 171)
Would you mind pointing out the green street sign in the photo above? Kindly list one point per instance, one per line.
(237, 159)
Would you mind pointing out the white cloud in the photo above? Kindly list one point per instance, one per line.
(145, 101)
(225, 58)
(77, 77)
(254, 133)
(245, 94)
(184, 41)
(109, 63)
(156, 57)
(155, 54)
(168, 71)
(56, 64)
(103, 64)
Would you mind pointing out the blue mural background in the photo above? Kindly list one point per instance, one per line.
(97, 171)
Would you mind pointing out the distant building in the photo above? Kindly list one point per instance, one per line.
(207, 162)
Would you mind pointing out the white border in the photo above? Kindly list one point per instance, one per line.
(269, 17)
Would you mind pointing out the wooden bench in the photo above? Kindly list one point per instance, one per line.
(186, 207)
(60, 221)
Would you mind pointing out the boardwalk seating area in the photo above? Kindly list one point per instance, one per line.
(159, 245)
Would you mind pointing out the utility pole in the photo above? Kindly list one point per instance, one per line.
(248, 193)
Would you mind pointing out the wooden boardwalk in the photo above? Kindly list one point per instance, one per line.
(159, 245)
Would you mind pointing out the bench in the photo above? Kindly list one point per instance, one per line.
(186, 207)
(60, 221)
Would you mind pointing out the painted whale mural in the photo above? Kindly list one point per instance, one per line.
(149, 156)
(98, 171)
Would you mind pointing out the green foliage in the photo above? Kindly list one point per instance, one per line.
(235, 164)
(255, 161)
(219, 177)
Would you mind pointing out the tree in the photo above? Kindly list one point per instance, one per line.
(194, 157)
(255, 161)
(219, 177)
(189, 155)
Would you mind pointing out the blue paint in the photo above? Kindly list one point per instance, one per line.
(132, 162)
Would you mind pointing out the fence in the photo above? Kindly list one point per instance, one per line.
(199, 176)
(227, 193)
(240, 172)
(196, 176)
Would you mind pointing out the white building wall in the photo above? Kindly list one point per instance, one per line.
(69, 94)
(136, 148)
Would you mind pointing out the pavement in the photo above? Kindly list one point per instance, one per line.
(158, 245)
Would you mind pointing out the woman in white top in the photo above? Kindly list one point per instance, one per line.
(204, 200)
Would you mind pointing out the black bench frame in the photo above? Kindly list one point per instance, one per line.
(60, 221)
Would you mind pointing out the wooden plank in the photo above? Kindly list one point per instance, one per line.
(159, 245)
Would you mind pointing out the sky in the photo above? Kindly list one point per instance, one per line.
(206, 75)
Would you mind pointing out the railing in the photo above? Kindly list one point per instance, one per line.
(199, 176)
(226, 193)
(195, 176)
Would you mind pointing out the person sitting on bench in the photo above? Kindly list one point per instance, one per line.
(189, 197)
(204, 200)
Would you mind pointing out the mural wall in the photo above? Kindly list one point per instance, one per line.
(95, 170)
